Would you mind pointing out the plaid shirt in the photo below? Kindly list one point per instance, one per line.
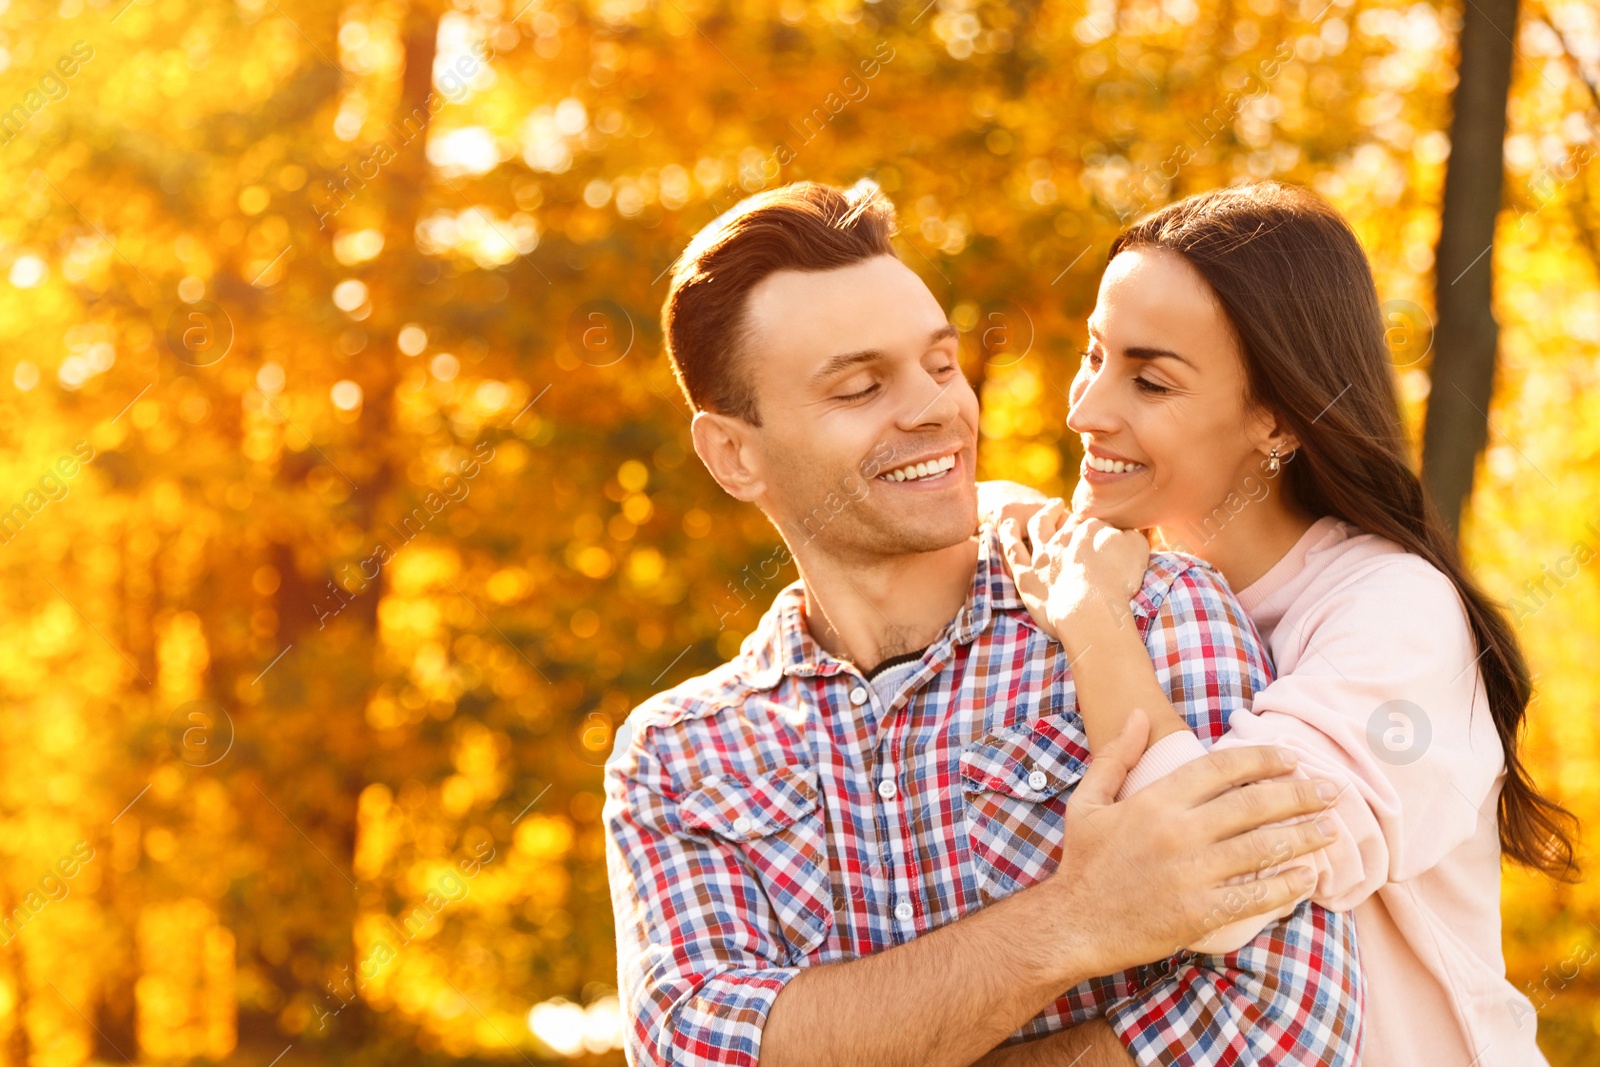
(773, 815)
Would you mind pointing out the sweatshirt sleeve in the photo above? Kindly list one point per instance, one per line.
(1381, 696)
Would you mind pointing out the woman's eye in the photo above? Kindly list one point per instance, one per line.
(1090, 358)
(1146, 386)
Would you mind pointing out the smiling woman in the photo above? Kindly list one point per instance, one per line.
(1235, 329)
(1161, 399)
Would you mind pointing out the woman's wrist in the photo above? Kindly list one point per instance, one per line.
(1093, 620)
(1164, 723)
(1113, 675)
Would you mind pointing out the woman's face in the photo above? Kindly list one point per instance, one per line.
(1162, 389)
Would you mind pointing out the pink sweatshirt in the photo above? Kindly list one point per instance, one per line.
(1377, 690)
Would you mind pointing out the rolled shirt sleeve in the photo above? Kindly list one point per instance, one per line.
(700, 958)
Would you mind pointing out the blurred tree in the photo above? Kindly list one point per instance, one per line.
(355, 308)
(1467, 336)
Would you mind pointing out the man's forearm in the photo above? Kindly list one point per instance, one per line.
(942, 1000)
(1094, 1044)
(950, 996)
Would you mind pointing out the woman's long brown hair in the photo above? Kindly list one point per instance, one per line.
(1298, 291)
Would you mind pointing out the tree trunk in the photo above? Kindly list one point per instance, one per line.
(1466, 336)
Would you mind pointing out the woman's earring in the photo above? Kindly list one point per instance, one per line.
(1272, 460)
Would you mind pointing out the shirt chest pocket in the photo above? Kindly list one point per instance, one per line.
(775, 820)
(1015, 784)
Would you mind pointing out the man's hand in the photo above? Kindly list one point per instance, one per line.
(1173, 847)
(1137, 880)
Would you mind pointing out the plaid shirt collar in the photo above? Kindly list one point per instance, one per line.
(782, 643)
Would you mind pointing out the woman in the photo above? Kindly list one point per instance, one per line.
(1236, 400)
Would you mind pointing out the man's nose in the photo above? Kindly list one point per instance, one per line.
(935, 406)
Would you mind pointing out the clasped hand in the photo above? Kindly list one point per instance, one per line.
(1069, 568)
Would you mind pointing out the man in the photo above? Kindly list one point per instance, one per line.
(872, 838)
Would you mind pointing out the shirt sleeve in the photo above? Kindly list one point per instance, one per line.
(1385, 701)
(1208, 659)
(1270, 989)
(1293, 995)
(1211, 662)
(700, 958)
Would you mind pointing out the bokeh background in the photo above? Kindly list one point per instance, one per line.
(349, 500)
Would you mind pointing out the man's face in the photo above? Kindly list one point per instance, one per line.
(857, 383)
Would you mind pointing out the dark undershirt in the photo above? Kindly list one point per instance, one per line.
(894, 661)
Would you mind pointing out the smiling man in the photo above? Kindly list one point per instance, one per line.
(873, 837)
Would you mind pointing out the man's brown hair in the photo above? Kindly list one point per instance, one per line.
(805, 226)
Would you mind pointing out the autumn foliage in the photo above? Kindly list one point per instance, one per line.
(346, 502)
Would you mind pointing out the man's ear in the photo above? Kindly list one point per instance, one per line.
(724, 445)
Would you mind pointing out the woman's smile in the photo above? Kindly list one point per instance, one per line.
(1101, 466)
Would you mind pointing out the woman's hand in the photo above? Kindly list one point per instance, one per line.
(1071, 567)
(1076, 576)
(1019, 535)
(999, 501)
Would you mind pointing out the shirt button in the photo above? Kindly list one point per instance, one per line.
(886, 789)
(902, 911)
(741, 824)
(1037, 780)
(858, 696)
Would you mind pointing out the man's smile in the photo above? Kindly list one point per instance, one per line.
(926, 471)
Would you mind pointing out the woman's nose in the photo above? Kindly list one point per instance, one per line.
(1089, 411)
